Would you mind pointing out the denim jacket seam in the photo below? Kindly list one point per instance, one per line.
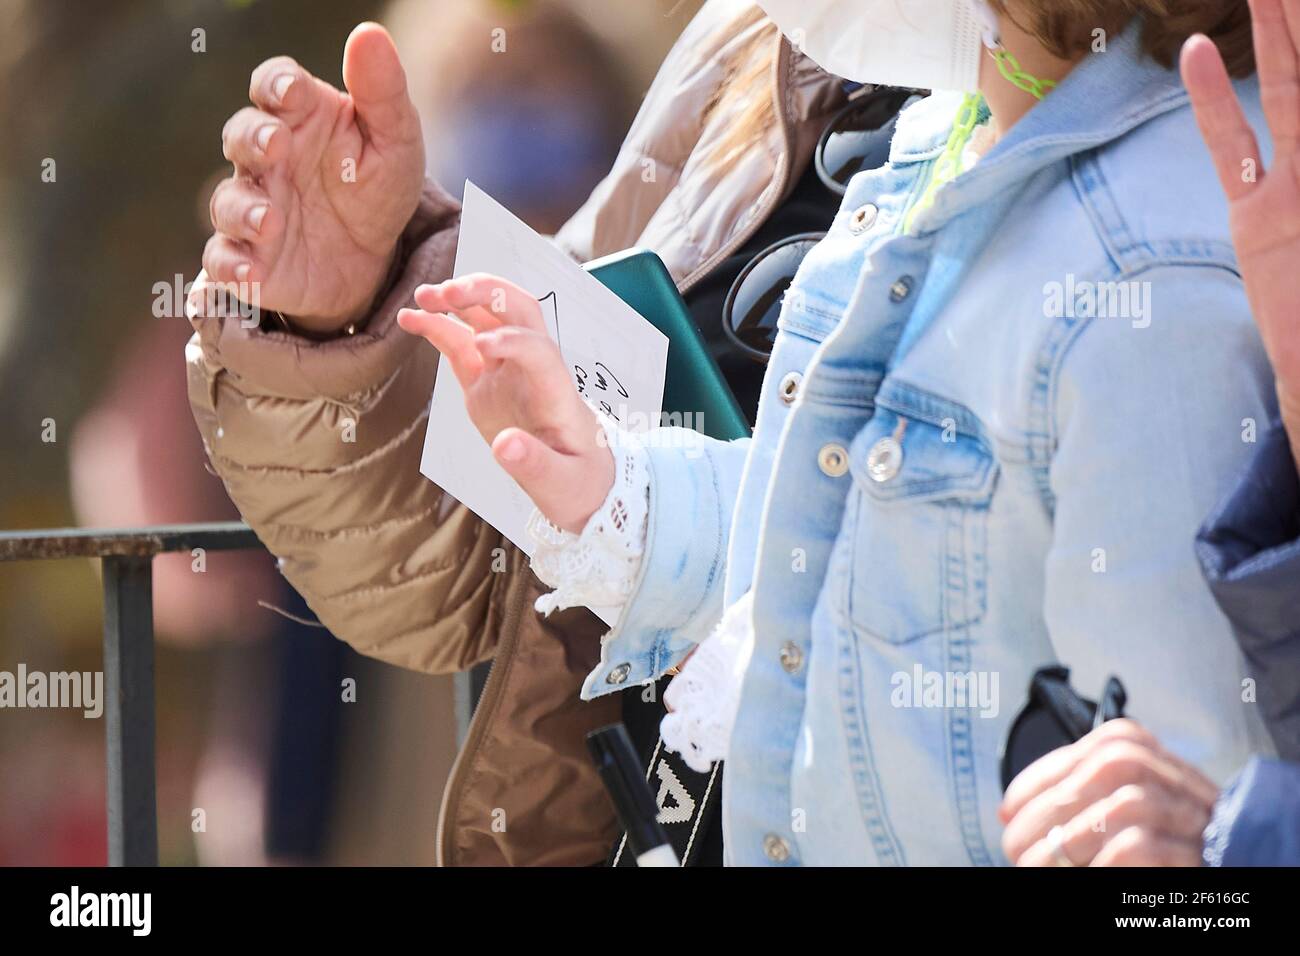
(720, 541)
(1061, 335)
(961, 748)
(719, 556)
(1129, 253)
(901, 397)
(1041, 433)
(922, 486)
(845, 388)
(662, 637)
(868, 787)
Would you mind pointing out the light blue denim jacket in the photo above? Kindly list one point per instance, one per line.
(1054, 469)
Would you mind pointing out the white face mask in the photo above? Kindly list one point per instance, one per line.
(928, 44)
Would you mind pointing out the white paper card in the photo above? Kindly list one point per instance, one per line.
(616, 357)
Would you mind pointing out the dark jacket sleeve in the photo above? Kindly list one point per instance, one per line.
(1250, 553)
(1257, 818)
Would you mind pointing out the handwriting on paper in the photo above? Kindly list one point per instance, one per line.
(617, 360)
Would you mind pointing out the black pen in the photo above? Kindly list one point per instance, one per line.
(611, 750)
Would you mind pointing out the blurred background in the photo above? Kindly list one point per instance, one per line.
(110, 116)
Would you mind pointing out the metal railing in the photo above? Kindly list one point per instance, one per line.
(126, 558)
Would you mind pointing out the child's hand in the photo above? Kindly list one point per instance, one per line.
(518, 392)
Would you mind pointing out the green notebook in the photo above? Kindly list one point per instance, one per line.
(695, 388)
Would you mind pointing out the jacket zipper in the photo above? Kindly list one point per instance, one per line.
(481, 719)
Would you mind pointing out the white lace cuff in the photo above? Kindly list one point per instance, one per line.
(599, 567)
(705, 696)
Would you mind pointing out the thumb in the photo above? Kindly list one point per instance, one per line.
(373, 75)
(567, 489)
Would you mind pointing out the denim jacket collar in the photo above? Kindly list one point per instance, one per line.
(1106, 96)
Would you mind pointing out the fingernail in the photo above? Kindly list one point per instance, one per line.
(193, 302)
(264, 136)
(512, 450)
(256, 215)
(281, 85)
(242, 271)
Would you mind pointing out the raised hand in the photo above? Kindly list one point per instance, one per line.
(518, 392)
(324, 183)
(1265, 207)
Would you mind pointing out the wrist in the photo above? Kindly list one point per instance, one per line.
(575, 506)
(354, 317)
(602, 467)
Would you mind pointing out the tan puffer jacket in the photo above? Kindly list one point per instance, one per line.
(407, 575)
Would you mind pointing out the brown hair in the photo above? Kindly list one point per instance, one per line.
(1066, 27)
(748, 82)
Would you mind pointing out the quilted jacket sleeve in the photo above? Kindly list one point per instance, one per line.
(319, 445)
(1249, 550)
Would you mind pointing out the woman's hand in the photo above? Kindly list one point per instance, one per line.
(518, 392)
(1118, 798)
(1265, 209)
(324, 183)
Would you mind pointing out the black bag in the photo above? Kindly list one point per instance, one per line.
(1055, 716)
(690, 803)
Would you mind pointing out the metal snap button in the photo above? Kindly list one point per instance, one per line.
(863, 218)
(901, 289)
(789, 388)
(884, 460)
(776, 849)
(619, 674)
(833, 460)
(791, 657)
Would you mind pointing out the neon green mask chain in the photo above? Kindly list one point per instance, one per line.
(970, 114)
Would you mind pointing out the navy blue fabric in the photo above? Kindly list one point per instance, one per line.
(306, 737)
(1257, 819)
(1250, 552)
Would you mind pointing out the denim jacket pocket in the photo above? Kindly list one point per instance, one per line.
(919, 516)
